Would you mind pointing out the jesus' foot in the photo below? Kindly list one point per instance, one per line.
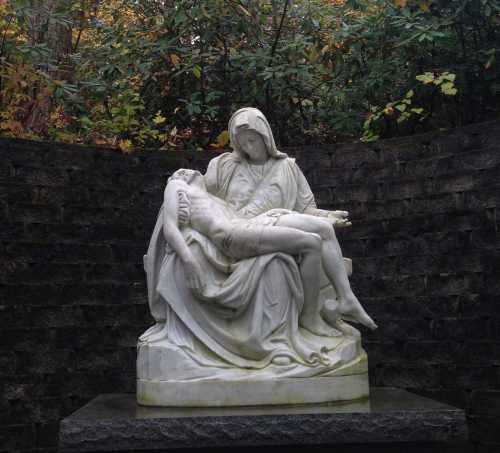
(314, 323)
(352, 310)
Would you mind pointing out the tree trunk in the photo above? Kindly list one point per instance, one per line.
(44, 29)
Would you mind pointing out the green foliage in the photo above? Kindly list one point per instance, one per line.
(403, 110)
(169, 73)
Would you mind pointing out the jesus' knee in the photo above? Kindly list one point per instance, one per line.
(310, 242)
(324, 229)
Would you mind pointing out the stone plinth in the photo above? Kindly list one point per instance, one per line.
(117, 423)
(348, 382)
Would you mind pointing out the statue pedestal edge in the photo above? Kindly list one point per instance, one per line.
(217, 393)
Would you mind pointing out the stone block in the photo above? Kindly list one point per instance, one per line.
(62, 198)
(115, 422)
(486, 402)
(484, 428)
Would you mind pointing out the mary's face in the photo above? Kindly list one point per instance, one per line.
(253, 145)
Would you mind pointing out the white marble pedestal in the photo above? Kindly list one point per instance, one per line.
(349, 382)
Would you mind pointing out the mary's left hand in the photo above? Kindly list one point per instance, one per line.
(339, 219)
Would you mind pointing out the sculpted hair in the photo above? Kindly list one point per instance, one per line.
(182, 171)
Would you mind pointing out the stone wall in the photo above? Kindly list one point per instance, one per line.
(425, 245)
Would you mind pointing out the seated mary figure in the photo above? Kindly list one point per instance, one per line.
(229, 314)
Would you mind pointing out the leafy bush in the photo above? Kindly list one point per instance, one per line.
(168, 73)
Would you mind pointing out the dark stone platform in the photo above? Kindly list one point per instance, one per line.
(115, 422)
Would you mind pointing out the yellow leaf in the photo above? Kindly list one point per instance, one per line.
(400, 3)
(223, 139)
(158, 119)
(426, 78)
(438, 80)
(425, 6)
(449, 89)
(197, 72)
(404, 116)
(410, 94)
(125, 146)
(175, 59)
(15, 127)
(449, 76)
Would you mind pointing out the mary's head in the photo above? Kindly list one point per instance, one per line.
(251, 136)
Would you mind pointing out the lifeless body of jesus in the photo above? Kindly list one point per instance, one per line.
(187, 202)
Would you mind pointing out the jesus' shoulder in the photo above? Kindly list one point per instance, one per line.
(186, 204)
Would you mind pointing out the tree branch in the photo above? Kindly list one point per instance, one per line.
(273, 51)
(2, 47)
(278, 32)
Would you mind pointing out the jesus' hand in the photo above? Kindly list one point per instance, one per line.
(194, 277)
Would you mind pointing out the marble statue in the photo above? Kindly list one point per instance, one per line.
(248, 286)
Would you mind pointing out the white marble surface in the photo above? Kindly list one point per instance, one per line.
(347, 383)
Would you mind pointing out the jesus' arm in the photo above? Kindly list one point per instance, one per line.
(175, 238)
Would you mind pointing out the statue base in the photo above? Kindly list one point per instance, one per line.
(252, 392)
(349, 382)
(390, 420)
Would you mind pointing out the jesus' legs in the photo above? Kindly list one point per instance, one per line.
(308, 245)
(333, 264)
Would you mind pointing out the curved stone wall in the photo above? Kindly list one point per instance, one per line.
(425, 246)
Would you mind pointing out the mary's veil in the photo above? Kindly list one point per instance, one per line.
(252, 119)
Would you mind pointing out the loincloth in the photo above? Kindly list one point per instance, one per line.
(243, 238)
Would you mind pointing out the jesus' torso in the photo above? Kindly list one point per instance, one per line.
(208, 214)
